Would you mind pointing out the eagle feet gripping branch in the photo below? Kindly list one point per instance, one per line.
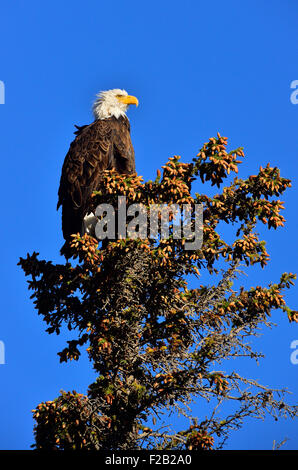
(104, 144)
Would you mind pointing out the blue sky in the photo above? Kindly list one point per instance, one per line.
(197, 68)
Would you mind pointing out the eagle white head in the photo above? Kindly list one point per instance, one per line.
(112, 103)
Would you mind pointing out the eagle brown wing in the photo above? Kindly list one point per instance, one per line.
(123, 157)
(102, 145)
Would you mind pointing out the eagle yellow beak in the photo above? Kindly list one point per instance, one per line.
(128, 100)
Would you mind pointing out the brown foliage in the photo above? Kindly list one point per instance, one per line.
(150, 336)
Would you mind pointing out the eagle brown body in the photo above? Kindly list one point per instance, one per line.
(102, 145)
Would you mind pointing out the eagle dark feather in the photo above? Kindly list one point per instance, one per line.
(102, 145)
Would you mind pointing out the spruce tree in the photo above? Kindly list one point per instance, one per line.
(155, 335)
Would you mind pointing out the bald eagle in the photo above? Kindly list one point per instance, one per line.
(102, 145)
